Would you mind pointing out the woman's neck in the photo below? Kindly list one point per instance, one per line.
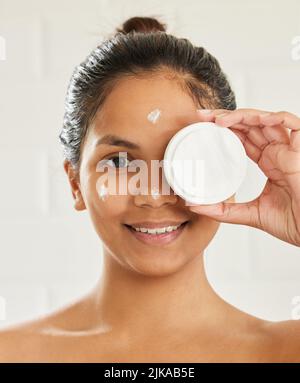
(132, 303)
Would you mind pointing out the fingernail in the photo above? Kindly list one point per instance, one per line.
(222, 115)
(265, 114)
(204, 111)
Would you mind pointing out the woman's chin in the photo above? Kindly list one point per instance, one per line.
(155, 269)
(153, 260)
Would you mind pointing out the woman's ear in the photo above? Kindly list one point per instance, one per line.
(75, 186)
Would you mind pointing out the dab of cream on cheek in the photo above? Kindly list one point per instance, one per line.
(154, 116)
(103, 192)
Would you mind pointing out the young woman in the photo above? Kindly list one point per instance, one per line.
(153, 302)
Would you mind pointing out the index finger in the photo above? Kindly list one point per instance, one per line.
(288, 120)
(250, 117)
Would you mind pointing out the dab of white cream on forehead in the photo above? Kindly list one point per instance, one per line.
(154, 115)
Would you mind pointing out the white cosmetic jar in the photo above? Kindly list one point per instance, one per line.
(205, 163)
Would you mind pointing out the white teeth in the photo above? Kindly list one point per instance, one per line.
(156, 230)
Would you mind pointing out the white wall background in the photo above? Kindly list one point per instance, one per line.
(49, 253)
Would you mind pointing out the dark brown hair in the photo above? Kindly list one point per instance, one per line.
(140, 46)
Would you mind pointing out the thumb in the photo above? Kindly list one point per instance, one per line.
(245, 213)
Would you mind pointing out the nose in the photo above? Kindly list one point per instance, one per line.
(155, 196)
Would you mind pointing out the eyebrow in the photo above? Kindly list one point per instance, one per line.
(113, 140)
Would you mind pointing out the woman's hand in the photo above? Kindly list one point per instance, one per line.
(272, 140)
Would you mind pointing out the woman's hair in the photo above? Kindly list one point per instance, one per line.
(140, 47)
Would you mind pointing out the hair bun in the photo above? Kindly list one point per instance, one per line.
(141, 24)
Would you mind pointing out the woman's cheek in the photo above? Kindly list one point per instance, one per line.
(105, 199)
(207, 228)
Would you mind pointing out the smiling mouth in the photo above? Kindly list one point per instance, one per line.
(156, 230)
(152, 236)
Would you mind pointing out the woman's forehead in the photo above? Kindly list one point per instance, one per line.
(136, 103)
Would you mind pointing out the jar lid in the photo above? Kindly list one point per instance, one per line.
(205, 163)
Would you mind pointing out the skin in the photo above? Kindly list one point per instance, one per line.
(154, 303)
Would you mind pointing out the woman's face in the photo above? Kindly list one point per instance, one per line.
(124, 114)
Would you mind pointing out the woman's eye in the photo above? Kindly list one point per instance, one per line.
(118, 162)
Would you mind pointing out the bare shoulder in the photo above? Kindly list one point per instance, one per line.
(261, 340)
(286, 335)
(16, 341)
(28, 341)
